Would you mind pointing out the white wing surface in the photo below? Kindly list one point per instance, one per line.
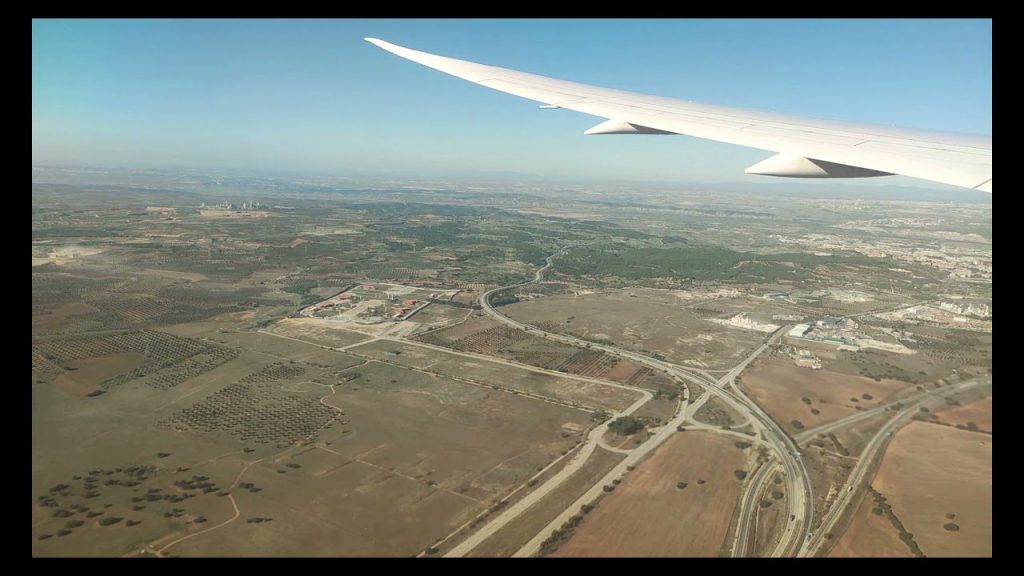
(805, 147)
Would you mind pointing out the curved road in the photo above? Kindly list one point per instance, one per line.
(786, 450)
(857, 478)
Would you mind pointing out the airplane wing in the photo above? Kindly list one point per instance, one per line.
(805, 147)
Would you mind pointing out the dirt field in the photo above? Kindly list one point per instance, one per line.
(317, 331)
(716, 411)
(654, 323)
(496, 374)
(487, 337)
(88, 372)
(436, 451)
(659, 408)
(979, 412)
(412, 457)
(518, 532)
(437, 316)
(286, 349)
(190, 276)
(779, 386)
(422, 455)
(648, 515)
(57, 317)
(870, 535)
(930, 471)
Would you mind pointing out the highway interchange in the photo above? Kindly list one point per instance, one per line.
(797, 538)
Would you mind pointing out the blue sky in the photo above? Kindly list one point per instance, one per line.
(311, 95)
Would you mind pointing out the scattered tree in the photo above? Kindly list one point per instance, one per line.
(626, 425)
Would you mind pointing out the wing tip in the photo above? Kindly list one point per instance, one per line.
(380, 43)
(388, 46)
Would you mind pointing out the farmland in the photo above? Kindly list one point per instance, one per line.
(382, 465)
(924, 490)
(518, 532)
(650, 515)
(314, 330)
(800, 398)
(317, 377)
(649, 321)
(582, 392)
(369, 433)
(487, 337)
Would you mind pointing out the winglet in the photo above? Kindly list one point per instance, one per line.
(459, 68)
(394, 49)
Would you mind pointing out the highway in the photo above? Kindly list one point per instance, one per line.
(857, 481)
(795, 474)
(863, 414)
(747, 516)
(530, 499)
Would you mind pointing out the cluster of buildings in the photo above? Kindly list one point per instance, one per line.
(943, 315)
(844, 333)
(804, 358)
(408, 308)
(369, 303)
(343, 298)
(979, 310)
(250, 205)
(959, 261)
